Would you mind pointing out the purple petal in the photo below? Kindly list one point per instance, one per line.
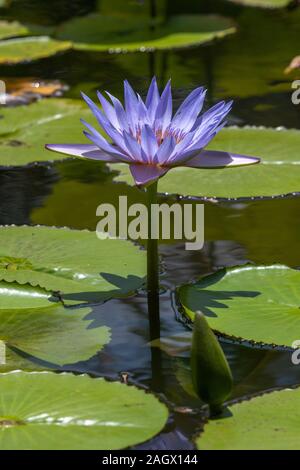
(149, 143)
(142, 112)
(217, 159)
(120, 112)
(152, 99)
(133, 147)
(191, 151)
(187, 113)
(104, 123)
(146, 174)
(109, 110)
(131, 105)
(181, 148)
(163, 113)
(165, 150)
(214, 116)
(103, 145)
(115, 136)
(93, 107)
(81, 150)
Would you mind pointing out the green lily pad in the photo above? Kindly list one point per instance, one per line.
(277, 173)
(15, 51)
(264, 3)
(75, 263)
(124, 34)
(33, 326)
(16, 296)
(11, 29)
(260, 304)
(268, 422)
(43, 410)
(26, 129)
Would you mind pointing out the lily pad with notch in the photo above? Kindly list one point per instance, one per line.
(259, 304)
(75, 264)
(47, 411)
(38, 331)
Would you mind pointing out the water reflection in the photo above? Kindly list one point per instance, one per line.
(22, 191)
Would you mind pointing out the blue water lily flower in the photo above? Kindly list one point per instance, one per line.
(147, 136)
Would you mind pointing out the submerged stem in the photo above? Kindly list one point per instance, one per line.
(153, 9)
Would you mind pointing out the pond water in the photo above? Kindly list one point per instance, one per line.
(236, 232)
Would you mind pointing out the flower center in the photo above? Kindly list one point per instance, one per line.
(160, 135)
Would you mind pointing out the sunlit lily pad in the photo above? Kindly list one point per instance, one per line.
(75, 263)
(43, 410)
(25, 130)
(268, 422)
(16, 296)
(124, 34)
(35, 325)
(14, 51)
(277, 173)
(264, 3)
(256, 303)
(10, 29)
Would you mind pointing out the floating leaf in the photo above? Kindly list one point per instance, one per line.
(124, 34)
(278, 172)
(43, 410)
(16, 296)
(14, 51)
(264, 3)
(32, 325)
(25, 130)
(268, 422)
(75, 263)
(256, 303)
(11, 29)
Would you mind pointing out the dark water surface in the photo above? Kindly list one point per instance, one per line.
(258, 231)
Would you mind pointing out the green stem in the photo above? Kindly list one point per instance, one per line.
(153, 291)
(152, 245)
